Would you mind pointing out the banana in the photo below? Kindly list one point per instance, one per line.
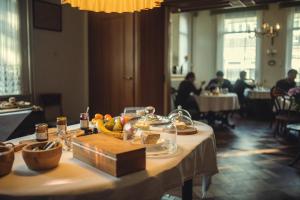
(105, 131)
(101, 127)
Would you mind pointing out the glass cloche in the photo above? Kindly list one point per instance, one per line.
(179, 110)
(182, 119)
(156, 132)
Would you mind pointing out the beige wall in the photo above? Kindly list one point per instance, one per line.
(270, 74)
(204, 46)
(60, 61)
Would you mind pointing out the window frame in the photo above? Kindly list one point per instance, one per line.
(220, 43)
(289, 39)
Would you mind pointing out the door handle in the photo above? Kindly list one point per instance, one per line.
(127, 77)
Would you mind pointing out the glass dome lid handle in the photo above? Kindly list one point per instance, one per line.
(179, 107)
(180, 114)
(150, 110)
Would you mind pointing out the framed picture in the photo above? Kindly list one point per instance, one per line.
(47, 16)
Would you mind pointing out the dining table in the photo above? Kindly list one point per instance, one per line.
(218, 106)
(258, 103)
(257, 93)
(73, 179)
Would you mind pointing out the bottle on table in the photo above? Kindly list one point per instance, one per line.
(41, 132)
(84, 121)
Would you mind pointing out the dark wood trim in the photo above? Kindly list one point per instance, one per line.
(198, 8)
(167, 75)
(289, 4)
(137, 61)
(45, 27)
(231, 10)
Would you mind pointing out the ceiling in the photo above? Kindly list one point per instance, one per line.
(190, 5)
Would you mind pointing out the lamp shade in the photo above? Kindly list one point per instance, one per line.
(117, 6)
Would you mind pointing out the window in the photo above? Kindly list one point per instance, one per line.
(237, 47)
(11, 72)
(183, 53)
(293, 52)
(180, 44)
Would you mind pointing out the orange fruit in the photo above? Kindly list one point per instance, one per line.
(98, 116)
(107, 117)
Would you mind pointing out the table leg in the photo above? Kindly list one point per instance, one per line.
(187, 190)
(206, 180)
(295, 160)
(225, 120)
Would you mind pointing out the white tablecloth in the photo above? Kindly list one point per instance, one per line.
(258, 94)
(73, 179)
(217, 103)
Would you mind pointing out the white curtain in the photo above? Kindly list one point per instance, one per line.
(10, 48)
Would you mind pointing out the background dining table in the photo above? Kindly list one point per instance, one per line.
(208, 102)
(259, 103)
(217, 107)
(73, 179)
(257, 93)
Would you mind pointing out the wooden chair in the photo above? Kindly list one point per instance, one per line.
(283, 104)
(52, 105)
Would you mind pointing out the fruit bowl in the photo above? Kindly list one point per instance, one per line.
(41, 159)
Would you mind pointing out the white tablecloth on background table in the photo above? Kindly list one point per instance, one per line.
(73, 179)
(258, 94)
(217, 103)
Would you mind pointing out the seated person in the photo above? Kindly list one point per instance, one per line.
(240, 86)
(220, 82)
(184, 91)
(289, 82)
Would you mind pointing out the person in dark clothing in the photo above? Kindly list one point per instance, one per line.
(184, 97)
(219, 82)
(239, 88)
(289, 82)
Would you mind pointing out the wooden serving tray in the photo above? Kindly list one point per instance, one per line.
(187, 131)
(111, 155)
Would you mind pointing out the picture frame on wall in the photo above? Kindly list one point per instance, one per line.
(47, 16)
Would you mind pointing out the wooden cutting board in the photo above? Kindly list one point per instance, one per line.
(111, 155)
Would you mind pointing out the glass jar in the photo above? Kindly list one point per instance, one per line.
(61, 125)
(41, 132)
(157, 133)
(84, 121)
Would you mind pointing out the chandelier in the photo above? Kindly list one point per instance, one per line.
(114, 6)
(269, 31)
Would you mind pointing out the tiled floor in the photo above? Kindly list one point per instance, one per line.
(253, 165)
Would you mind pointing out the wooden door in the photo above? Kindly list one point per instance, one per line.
(111, 62)
(150, 68)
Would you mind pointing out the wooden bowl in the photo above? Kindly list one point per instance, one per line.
(7, 157)
(41, 160)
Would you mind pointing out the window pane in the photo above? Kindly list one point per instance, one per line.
(239, 50)
(296, 23)
(295, 62)
(240, 24)
(10, 51)
(183, 43)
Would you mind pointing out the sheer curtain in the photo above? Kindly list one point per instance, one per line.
(10, 48)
